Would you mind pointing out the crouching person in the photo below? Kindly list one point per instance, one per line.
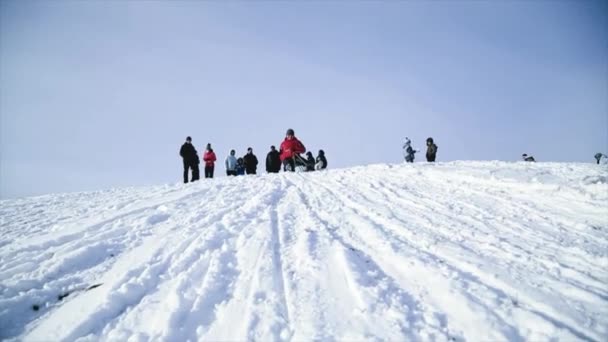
(321, 161)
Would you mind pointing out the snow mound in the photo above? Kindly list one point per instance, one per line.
(448, 251)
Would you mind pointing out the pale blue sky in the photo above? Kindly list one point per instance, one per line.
(96, 95)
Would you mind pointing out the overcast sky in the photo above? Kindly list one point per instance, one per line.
(96, 95)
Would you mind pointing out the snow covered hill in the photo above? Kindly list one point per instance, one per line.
(453, 251)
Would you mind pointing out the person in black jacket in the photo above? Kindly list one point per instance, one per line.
(310, 161)
(251, 162)
(431, 150)
(321, 161)
(273, 160)
(190, 159)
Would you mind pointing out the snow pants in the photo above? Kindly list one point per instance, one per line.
(209, 171)
(195, 171)
(289, 165)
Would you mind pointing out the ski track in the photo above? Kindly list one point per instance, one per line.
(447, 252)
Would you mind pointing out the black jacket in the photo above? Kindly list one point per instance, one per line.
(310, 163)
(188, 152)
(273, 161)
(431, 152)
(251, 162)
(321, 159)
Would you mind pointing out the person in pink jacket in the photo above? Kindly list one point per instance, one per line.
(209, 159)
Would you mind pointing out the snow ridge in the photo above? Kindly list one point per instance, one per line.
(447, 251)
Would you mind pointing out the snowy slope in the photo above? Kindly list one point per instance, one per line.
(453, 251)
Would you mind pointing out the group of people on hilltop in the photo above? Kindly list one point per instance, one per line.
(191, 161)
(239, 166)
(431, 153)
(409, 153)
(287, 157)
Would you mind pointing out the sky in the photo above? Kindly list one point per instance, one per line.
(96, 95)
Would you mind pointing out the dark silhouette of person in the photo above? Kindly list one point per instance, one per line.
(190, 159)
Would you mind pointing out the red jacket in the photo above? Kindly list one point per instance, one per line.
(209, 158)
(291, 147)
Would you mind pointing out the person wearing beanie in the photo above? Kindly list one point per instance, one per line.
(209, 159)
(310, 161)
(431, 150)
(240, 167)
(273, 161)
(321, 161)
(190, 160)
(291, 148)
(251, 162)
(408, 151)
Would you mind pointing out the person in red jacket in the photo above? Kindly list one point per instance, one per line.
(209, 159)
(291, 147)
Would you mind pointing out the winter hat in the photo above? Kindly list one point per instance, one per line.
(321, 152)
(289, 132)
(209, 146)
(188, 139)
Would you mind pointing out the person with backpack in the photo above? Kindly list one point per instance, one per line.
(240, 167)
(310, 161)
(527, 158)
(209, 159)
(431, 150)
(291, 148)
(273, 161)
(250, 162)
(190, 160)
(321, 161)
(408, 151)
(231, 164)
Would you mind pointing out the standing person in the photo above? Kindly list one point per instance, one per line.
(273, 161)
(431, 150)
(250, 162)
(290, 147)
(408, 151)
(190, 159)
(209, 159)
(231, 164)
(310, 161)
(240, 167)
(321, 161)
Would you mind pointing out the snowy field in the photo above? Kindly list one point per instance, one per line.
(476, 251)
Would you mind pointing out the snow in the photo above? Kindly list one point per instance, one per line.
(449, 251)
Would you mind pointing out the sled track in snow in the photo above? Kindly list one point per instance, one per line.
(452, 251)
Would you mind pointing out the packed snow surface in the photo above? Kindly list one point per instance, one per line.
(473, 251)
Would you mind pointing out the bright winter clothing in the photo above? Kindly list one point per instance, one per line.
(292, 146)
(209, 158)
